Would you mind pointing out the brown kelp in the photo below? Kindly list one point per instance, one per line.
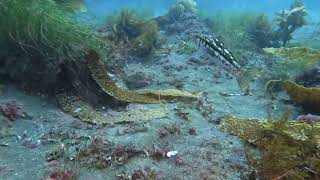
(78, 108)
(288, 21)
(289, 150)
(106, 84)
(309, 98)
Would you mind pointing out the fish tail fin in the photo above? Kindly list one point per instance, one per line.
(243, 78)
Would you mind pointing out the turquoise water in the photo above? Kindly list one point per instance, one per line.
(100, 8)
(168, 90)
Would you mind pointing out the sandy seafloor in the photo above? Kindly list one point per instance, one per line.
(210, 153)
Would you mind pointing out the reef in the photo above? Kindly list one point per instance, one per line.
(289, 150)
(182, 19)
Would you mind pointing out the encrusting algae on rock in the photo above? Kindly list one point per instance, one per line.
(289, 150)
(80, 109)
(306, 55)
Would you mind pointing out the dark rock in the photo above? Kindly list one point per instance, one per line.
(29, 143)
(310, 77)
(137, 80)
(192, 131)
(187, 23)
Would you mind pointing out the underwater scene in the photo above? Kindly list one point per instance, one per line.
(159, 90)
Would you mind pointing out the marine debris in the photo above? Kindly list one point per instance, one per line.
(289, 149)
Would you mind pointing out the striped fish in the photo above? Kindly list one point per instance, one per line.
(225, 59)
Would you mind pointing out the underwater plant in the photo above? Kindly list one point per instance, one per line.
(72, 5)
(186, 48)
(288, 150)
(42, 27)
(260, 31)
(232, 29)
(294, 60)
(287, 21)
(142, 35)
(181, 7)
(146, 42)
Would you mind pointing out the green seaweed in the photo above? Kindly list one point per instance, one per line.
(145, 44)
(232, 29)
(289, 150)
(260, 31)
(41, 26)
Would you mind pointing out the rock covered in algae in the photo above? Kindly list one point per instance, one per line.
(307, 97)
(306, 55)
(289, 150)
(251, 130)
(78, 108)
(101, 77)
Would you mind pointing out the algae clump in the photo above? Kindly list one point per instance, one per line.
(79, 109)
(289, 150)
(307, 97)
(142, 35)
(294, 60)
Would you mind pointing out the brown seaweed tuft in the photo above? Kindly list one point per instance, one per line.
(288, 150)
